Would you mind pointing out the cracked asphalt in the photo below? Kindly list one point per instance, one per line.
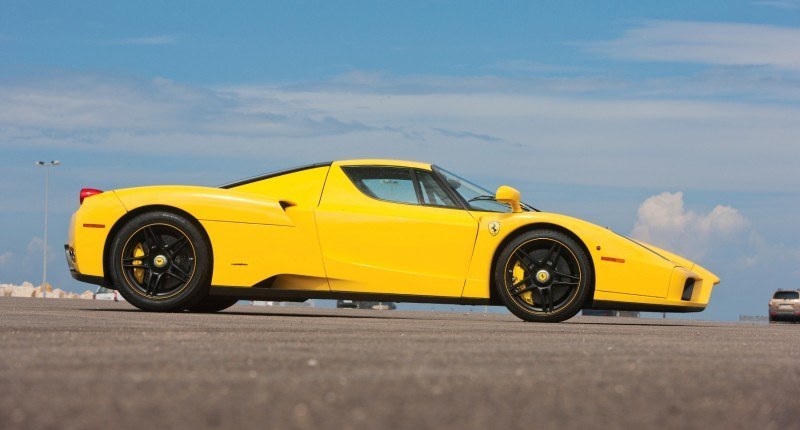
(78, 364)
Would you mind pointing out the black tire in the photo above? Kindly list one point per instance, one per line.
(161, 261)
(543, 276)
(212, 304)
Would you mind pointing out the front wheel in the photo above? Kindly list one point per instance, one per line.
(543, 276)
(161, 261)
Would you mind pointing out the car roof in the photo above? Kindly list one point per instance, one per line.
(355, 162)
(383, 162)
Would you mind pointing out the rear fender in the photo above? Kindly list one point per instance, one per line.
(210, 204)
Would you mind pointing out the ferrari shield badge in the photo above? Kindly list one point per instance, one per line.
(494, 228)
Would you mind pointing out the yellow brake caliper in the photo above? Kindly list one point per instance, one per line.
(518, 274)
(138, 251)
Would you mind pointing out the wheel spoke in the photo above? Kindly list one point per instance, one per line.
(547, 298)
(577, 278)
(552, 255)
(517, 291)
(561, 283)
(146, 280)
(527, 261)
(180, 275)
(132, 259)
(524, 280)
(152, 285)
(151, 237)
(135, 266)
(178, 245)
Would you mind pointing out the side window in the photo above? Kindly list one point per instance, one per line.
(394, 184)
(431, 193)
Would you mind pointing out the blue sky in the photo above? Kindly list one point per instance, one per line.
(677, 122)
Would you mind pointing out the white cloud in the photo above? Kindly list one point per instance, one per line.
(665, 222)
(102, 105)
(5, 258)
(731, 44)
(382, 83)
(452, 121)
(743, 83)
(36, 244)
(467, 134)
(761, 251)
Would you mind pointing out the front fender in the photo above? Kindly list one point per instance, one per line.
(620, 265)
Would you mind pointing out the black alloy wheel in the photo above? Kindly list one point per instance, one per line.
(543, 276)
(161, 261)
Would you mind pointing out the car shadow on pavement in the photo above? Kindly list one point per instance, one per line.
(642, 324)
(271, 314)
(329, 313)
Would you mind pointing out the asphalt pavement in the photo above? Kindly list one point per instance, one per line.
(80, 364)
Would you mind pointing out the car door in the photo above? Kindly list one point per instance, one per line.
(394, 230)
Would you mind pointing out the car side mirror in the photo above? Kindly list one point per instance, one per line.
(509, 196)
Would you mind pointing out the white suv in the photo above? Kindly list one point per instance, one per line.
(785, 306)
(104, 293)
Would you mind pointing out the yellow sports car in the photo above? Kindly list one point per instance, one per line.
(380, 230)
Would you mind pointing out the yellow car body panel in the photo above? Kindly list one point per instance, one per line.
(253, 236)
(88, 231)
(246, 254)
(311, 231)
(210, 204)
(302, 188)
(402, 248)
(649, 273)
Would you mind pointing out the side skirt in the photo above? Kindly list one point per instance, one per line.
(300, 295)
(641, 307)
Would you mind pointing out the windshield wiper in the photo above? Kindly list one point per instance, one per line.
(477, 198)
(491, 198)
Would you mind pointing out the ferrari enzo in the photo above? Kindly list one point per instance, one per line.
(373, 230)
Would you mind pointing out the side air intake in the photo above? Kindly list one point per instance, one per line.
(688, 288)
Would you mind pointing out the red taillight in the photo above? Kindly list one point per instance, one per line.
(88, 192)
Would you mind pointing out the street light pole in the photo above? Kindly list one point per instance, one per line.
(46, 166)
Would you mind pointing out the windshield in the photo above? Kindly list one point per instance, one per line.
(786, 295)
(477, 197)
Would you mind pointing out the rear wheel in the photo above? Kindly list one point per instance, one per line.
(161, 261)
(543, 276)
(212, 304)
